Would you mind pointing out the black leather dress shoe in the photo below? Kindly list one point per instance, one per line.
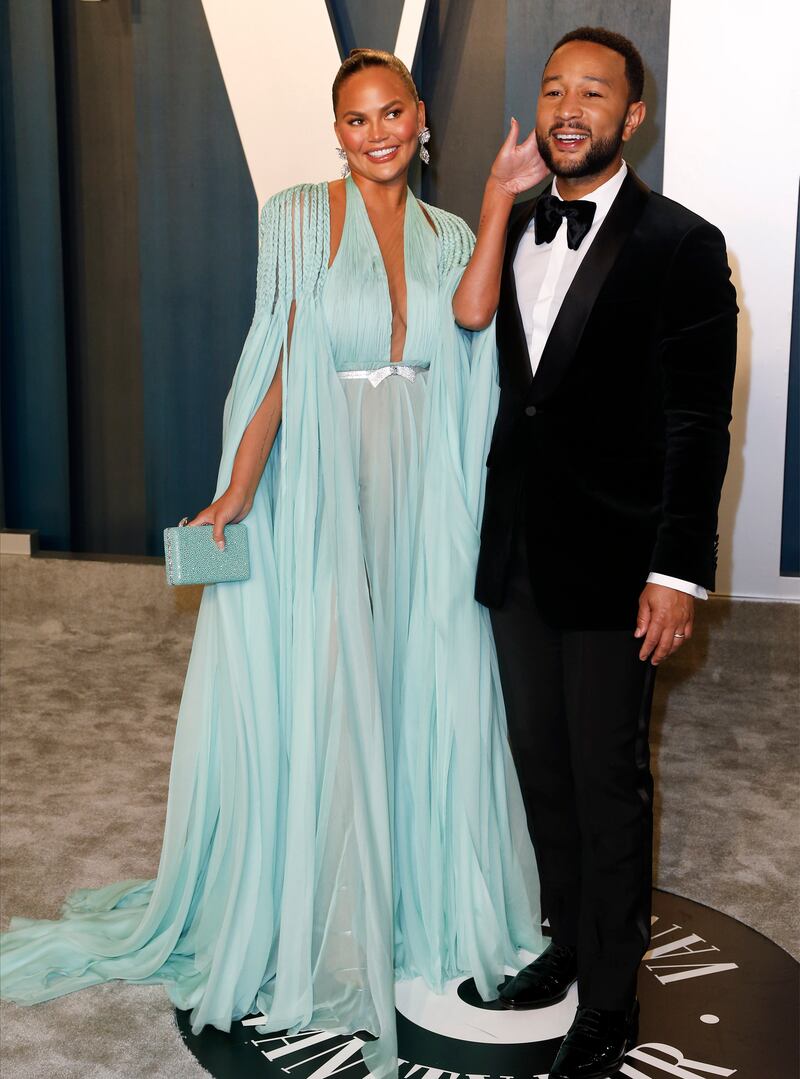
(596, 1044)
(546, 981)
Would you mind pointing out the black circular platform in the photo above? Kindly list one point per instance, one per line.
(718, 999)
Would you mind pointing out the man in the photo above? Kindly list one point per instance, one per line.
(616, 327)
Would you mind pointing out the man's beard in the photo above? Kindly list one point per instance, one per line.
(602, 153)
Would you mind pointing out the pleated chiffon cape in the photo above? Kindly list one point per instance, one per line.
(297, 878)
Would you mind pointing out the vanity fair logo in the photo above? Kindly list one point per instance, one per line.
(317, 1055)
(718, 1000)
(665, 960)
(456, 1036)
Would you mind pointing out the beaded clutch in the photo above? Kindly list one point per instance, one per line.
(192, 557)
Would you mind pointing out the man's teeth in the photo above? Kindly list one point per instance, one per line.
(382, 153)
(571, 138)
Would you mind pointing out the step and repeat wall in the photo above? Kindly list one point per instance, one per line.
(139, 138)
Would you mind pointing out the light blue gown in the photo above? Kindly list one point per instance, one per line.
(343, 809)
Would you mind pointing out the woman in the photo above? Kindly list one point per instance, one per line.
(342, 807)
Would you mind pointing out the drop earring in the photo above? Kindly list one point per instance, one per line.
(343, 158)
(424, 136)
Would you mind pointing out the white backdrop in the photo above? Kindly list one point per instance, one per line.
(278, 62)
(731, 154)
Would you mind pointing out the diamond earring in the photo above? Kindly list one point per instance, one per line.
(343, 158)
(424, 136)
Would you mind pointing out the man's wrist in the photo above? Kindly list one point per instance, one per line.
(678, 584)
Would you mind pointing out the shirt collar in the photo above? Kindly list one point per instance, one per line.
(602, 196)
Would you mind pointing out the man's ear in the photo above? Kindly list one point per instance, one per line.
(636, 114)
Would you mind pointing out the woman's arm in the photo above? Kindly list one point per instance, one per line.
(251, 457)
(516, 168)
(475, 300)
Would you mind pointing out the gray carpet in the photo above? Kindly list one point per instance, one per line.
(93, 658)
(726, 754)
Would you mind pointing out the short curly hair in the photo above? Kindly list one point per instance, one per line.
(598, 35)
(360, 59)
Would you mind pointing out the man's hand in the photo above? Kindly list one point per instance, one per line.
(518, 168)
(665, 620)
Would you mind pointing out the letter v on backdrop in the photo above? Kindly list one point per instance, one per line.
(278, 62)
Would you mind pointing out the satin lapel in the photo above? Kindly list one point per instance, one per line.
(571, 320)
(517, 357)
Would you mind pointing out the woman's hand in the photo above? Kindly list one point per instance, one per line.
(230, 508)
(518, 166)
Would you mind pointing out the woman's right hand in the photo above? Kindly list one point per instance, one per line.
(230, 508)
(518, 166)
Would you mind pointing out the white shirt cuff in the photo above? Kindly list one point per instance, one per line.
(681, 586)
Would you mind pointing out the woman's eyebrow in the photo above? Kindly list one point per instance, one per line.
(383, 108)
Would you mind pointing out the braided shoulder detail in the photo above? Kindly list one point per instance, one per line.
(456, 239)
(293, 244)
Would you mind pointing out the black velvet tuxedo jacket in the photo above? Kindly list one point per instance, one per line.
(612, 457)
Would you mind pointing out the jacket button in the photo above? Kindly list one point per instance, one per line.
(530, 410)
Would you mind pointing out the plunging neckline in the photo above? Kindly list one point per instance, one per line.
(350, 186)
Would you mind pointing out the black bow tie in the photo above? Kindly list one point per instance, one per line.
(548, 216)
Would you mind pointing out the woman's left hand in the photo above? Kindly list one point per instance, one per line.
(518, 166)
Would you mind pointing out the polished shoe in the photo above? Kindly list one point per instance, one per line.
(596, 1044)
(546, 981)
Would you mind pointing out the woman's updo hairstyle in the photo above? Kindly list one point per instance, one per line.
(360, 59)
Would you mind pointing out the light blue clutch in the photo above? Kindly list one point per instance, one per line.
(192, 557)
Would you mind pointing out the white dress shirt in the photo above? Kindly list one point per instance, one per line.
(543, 274)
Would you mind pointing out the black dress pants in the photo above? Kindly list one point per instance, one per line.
(578, 705)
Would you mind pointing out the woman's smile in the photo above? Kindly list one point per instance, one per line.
(383, 153)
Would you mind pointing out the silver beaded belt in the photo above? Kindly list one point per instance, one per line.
(376, 376)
